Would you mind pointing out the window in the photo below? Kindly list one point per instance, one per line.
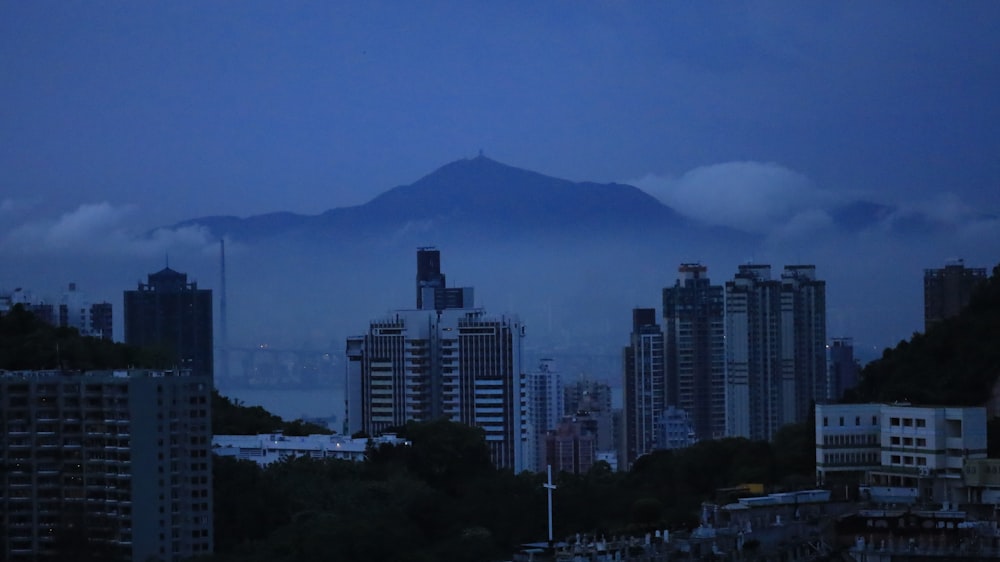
(857, 420)
(841, 421)
(894, 440)
(907, 422)
(921, 423)
(921, 442)
(826, 422)
(894, 422)
(894, 459)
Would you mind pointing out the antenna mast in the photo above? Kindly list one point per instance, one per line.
(223, 335)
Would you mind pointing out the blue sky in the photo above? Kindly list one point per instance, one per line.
(163, 111)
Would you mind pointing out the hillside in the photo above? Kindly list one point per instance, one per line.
(957, 362)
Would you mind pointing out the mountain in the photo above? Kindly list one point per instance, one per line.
(477, 196)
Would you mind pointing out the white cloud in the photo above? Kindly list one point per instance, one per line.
(749, 196)
(98, 229)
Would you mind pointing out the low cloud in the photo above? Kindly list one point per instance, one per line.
(750, 196)
(98, 229)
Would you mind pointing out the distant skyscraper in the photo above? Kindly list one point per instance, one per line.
(171, 314)
(544, 395)
(693, 319)
(432, 294)
(948, 290)
(454, 362)
(844, 369)
(803, 310)
(643, 385)
(589, 401)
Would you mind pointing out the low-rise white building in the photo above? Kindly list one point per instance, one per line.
(920, 452)
(267, 448)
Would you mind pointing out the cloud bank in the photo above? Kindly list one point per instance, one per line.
(98, 229)
(750, 196)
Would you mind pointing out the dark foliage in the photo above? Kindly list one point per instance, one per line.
(957, 362)
(28, 343)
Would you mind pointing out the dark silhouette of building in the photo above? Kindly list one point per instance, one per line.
(643, 385)
(570, 447)
(432, 294)
(694, 326)
(844, 368)
(169, 313)
(948, 290)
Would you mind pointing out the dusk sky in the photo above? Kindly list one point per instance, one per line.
(120, 117)
(146, 113)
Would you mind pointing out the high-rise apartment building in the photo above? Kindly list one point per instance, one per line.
(775, 349)
(89, 318)
(803, 333)
(544, 397)
(643, 385)
(171, 314)
(759, 399)
(451, 362)
(694, 328)
(948, 290)
(116, 462)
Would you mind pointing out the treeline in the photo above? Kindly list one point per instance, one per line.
(441, 499)
(956, 363)
(232, 417)
(28, 343)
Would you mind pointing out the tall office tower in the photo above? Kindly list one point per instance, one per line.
(803, 332)
(756, 391)
(170, 314)
(118, 459)
(643, 385)
(693, 318)
(454, 363)
(948, 290)
(90, 319)
(432, 294)
(544, 396)
(843, 369)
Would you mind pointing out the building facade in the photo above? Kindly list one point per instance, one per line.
(455, 363)
(117, 460)
(803, 333)
(569, 448)
(545, 407)
(900, 453)
(172, 315)
(643, 385)
(776, 365)
(947, 290)
(694, 328)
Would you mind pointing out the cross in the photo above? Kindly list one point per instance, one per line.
(550, 487)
